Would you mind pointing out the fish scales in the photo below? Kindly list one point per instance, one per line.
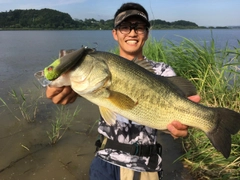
(162, 104)
(120, 86)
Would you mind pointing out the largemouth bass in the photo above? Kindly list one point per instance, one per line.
(120, 86)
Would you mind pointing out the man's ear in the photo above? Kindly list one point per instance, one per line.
(114, 33)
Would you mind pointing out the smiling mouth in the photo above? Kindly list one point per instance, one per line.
(131, 42)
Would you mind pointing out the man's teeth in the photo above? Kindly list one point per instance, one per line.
(131, 42)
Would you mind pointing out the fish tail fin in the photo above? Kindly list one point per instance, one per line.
(228, 123)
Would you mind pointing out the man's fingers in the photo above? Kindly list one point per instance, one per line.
(179, 125)
(53, 91)
(195, 98)
(62, 95)
(177, 129)
(68, 98)
(176, 132)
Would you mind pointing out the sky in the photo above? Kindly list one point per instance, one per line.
(201, 12)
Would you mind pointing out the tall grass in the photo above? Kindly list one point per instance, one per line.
(26, 103)
(62, 121)
(216, 75)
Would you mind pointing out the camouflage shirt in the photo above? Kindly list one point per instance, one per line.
(128, 132)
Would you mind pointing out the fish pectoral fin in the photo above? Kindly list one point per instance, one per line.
(108, 115)
(122, 101)
(185, 87)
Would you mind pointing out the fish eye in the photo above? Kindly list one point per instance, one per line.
(50, 68)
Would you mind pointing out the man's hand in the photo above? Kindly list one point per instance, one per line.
(178, 129)
(61, 95)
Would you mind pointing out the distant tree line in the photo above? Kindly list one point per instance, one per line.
(52, 19)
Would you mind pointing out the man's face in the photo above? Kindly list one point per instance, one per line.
(131, 35)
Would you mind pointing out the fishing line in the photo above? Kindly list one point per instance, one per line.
(151, 10)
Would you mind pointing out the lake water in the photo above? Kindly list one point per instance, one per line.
(24, 52)
(220, 36)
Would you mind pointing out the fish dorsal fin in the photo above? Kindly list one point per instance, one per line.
(108, 115)
(144, 64)
(186, 88)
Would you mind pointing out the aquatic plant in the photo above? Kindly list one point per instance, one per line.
(25, 102)
(61, 122)
(216, 75)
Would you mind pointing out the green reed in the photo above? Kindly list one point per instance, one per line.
(25, 102)
(62, 121)
(216, 75)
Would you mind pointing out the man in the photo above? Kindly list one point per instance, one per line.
(115, 159)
